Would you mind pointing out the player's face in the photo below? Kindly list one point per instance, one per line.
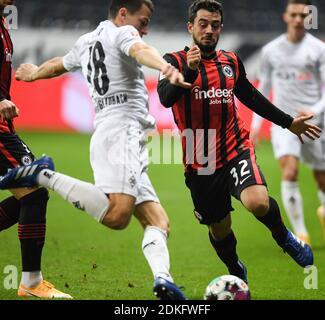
(295, 16)
(140, 19)
(4, 3)
(206, 30)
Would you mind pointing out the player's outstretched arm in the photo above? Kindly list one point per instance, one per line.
(150, 57)
(29, 72)
(299, 127)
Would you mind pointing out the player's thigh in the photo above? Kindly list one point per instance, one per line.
(284, 143)
(151, 213)
(243, 172)
(210, 195)
(13, 152)
(313, 153)
(115, 157)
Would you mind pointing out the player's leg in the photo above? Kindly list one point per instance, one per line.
(224, 242)
(212, 202)
(320, 179)
(291, 196)
(32, 204)
(9, 212)
(155, 223)
(287, 150)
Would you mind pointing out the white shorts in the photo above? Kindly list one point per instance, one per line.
(119, 159)
(286, 143)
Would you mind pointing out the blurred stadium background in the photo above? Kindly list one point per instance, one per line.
(89, 261)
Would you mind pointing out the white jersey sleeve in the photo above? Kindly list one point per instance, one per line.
(72, 61)
(127, 37)
(319, 107)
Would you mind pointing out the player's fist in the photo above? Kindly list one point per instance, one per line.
(194, 57)
(25, 71)
(8, 110)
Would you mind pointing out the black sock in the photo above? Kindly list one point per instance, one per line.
(9, 212)
(226, 251)
(273, 221)
(31, 228)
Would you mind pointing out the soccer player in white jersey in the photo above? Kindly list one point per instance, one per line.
(110, 58)
(294, 66)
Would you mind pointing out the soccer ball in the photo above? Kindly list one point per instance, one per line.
(227, 287)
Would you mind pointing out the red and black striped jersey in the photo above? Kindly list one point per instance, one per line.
(211, 127)
(6, 52)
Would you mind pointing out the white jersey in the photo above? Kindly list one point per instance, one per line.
(115, 80)
(296, 72)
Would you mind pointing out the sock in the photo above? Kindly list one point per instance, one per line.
(226, 251)
(83, 195)
(154, 247)
(31, 279)
(31, 228)
(273, 221)
(292, 202)
(321, 196)
(9, 212)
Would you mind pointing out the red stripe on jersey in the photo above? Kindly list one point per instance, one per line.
(255, 168)
(9, 157)
(6, 53)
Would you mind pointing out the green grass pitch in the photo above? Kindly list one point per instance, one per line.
(90, 261)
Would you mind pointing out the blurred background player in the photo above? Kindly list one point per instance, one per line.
(293, 65)
(217, 134)
(27, 206)
(110, 59)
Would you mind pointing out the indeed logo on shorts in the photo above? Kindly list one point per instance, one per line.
(212, 93)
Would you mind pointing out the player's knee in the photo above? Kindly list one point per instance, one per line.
(117, 218)
(290, 173)
(258, 205)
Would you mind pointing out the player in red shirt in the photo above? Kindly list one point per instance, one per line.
(27, 206)
(219, 158)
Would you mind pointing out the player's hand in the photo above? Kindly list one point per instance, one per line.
(194, 58)
(255, 137)
(25, 71)
(299, 127)
(174, 76)
(306, 113)
(8, 110)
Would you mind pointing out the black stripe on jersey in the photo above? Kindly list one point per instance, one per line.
(187, 98)
(224, 116)
(237, 131)
(206, 108)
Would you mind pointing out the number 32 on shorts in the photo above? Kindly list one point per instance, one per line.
(241, 172)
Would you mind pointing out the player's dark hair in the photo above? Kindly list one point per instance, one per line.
(209, 5)
(131, 5)
(306, 2)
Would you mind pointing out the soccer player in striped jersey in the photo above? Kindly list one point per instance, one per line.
(110, 58)
(294, 66)
(27, 206)
(219, 158)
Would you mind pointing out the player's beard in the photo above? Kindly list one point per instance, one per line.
(206, 48)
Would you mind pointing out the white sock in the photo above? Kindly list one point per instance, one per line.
(293, 205)
(321, 196)
(154, 247)
(31, 279)
(83, 195)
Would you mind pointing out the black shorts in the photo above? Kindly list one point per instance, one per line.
(211, 194)
(13, 152)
